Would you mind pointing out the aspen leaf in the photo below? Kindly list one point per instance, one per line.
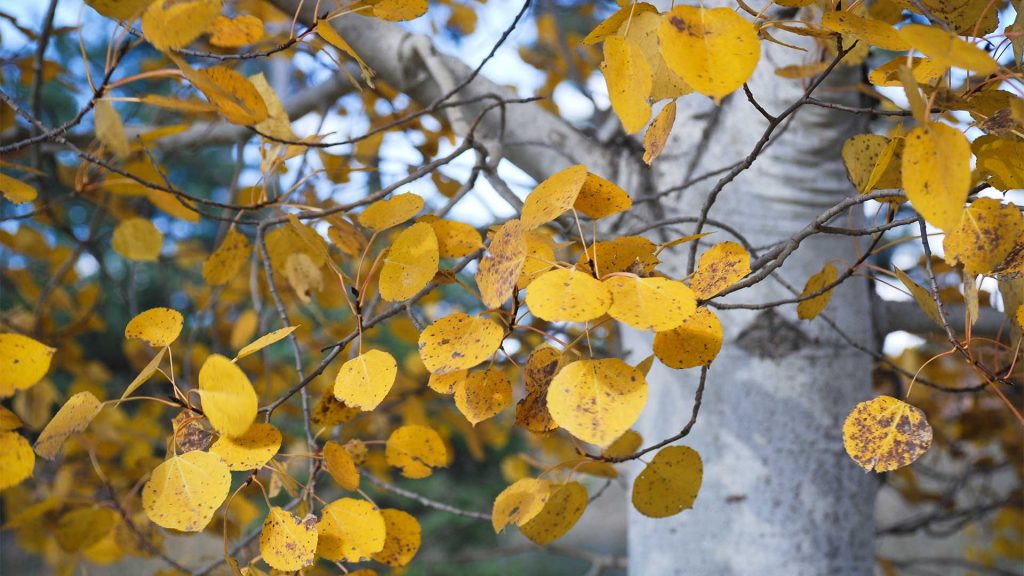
(251, 450)
(625, 445)
(15, 190)
(599, 198)
(17, 461)
(482, 395)
(455, 239)
(264, 341)
(885, 434)
(340, 466)
(365, 380)
(9, 420)
(937, 173)
(810, 308)
(330, 411)
(384, 214)
(1020, 316)
(614, 23)
(1001, 159)
(276, 124)
(715, 50)
(410, 264)
(721, 266)
(670, 483)
(872, 161)
(597, 400)
(922, 296)
(73, 417)
(23, 362)
(119, 9)
(395, 10)
(402, 538)
(693, 343)
(553, 197)
(445, 383)
(137, 239)
(987, 232)
(184, 492)
(567, 296)
(287, 542)
(173, 25)
(458, 342)
(417, 450)
(229, 400)
(948, 48)
(157, 327)
(633, 254)
(869, 30)
(499, 272)
(145, 374)
(630, 80)
(561, 512)
(519, 503)
(331, 36)
(234, 96)
(650, 303)
(235, 32)
(540, 257)
(657, 133)
(923, 70)
(227, 260)
(304, 276)
(350, 530)
(83, 527)
(532, 411)
(110, 129)
(642, 29)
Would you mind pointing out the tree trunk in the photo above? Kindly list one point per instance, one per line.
(779, 494)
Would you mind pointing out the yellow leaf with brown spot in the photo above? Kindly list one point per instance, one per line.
(410, 264)
(235, 32)
(229, 400)
(394, 10)
(445, 383)
(340, 466)
(597, 400)
(553, 197)
(695, 342)
(157, 327)
(137, 239)
(455, 239)
(643, 29)
(417, 450)
(402, 539)
(350, 530)
(987, 233)
(567, 295)
(364, 381)
(17, 461)
(287, 542)
(172, 25)
(721, 266)
(658, 132)
(499, 272)
(810, 308)
(251, 450)
(650, 303)
(599, 198)
(458, 342)
(184, 492)
(937, 173)
(885, 434)
(228, 259)
(73, 417)
(384, 214)
(629, 80)
(482, 395)
(519, 503)
(23, 362)
(561, 512)
(670, 483)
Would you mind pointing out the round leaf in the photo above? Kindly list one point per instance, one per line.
(288, 543)
(650, 303)
(365, 380)
(885, 434)
(137, 239)
(184, 492)
(695, 342)
(73, 417)
(567, 296)
(499, 272)
(384, 214)
(17, 461)
(23, 362)
(597, 400)
(402, 538)
(721, 266)
(670, 483)
(157, 327)
(561, 512)
(519, 503)
(340, 466)
(554, 196)
(458, 342)
(410, 264)
(482, 395)
(350, 530)
(416, 450)
(229, 401)
(937, 173)
(251, 450)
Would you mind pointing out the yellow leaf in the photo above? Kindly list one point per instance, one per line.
(235, 32)
(234, 96)
(184, 492)
(922, 296)
(987, 233)
(721, 266)
(482, 395)
(657, 133)
(402, 538)
(937, 173)
(810, 308)
(868, 30)
(455, 239)
(110, 129)
(1001, 159)
(17, 461)
(625, 445)
(669, 484)
(532, 411)
(499, 272)
(119, 9)
(365, 380)
(416, 450)
(15, 190)
(350, 530)
(599, 198)
(340, 466)
(566, 295)
(885, 434)
(519, 503)
(330, 411)
(633, 254)
(947, 48)
(629, 80)
(331, 36)
(277, 123)
(540, 257)
(172, 25)
(84, 527)
(145, 374)
(714, 50)
(137, 239)
(264, 341)
(23, 362)
(157, 327)
(9, 420)
(229, 401)
(873, 161)
(227, 260)
(384, 214)
(597, 400)
(643, 29)
(445, 383)
(614, 23)
(288, 543)
(552, 197)
(410, 264)
(650, 303)
(1020, 316)
(561, 512)
(304, 276)
(923, 70)
(458, 342)
(695, 342)
(394, 10)
(73, 417)
(251, 450)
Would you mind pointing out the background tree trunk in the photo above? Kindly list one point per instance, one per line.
(779, 496)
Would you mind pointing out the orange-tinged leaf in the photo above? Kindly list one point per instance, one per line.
(482, 395)
(629, 80)
(670, 483)
(650, 303)
(445, 383)
(365, 380)
(455, 239)
(235, 32)
(410, 264)
(340, 466)
(417, 450)
(597, 400)
(119, 9)
(721, 266)
(458, 342)
(987, 232)
(229, 400)
(73, 417)
(885, 434)
(251, 450)
(184, 492)
(23, 362)
(157, 327)
(331, 36)
(693, 343)
(228, 259)
(394, 10)
(566, 295)
(810, 308)
(15, 190)
(937, 173)
(137, 239)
